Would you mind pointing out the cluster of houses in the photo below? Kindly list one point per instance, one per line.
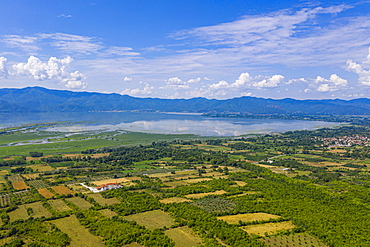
(346, 141)
(103, 187)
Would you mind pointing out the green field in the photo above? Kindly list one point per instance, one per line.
(80, 236)
(183, 237)
(80, 202)
(152, 219)
(103, 201)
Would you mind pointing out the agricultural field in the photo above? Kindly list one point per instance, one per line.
(20, 185)
(80, 236)
(200, 195)
(45, 193)
(184, 237)
(194, 186)
(79, 202)
(268, 228)
(103, 201)
(108, 213)
(234, 219)
(174, 200)
(59, 205)
(62, 190)
(152, 219)
(293, 240)
(37, 184)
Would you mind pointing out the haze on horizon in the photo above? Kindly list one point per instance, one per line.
(184, 49)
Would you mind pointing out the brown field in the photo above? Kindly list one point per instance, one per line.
(99, 155)
(80, 202)
(37, 158)
(45, 193)
(174, 200)
(234, 219)
(21, 211)
(152, 219)
(270, 228)
(200, 195)
(183, 237)
(103, 201)
(31, 176)
(337, 151)
(59, 205)
(133, 178)
(197, 180)
(62, 190)
(299, 239)
(115, 180)
(107, 212)
(41, 167)
(80, 236)
(20, 185)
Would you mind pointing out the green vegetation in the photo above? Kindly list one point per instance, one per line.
(300, 188)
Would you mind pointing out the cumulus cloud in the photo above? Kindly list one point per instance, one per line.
(53, 69)
(331, 84)
(127, 79)
(245, 80)
(177, 83)
(3, 70)
(147, 90)
(363, 74)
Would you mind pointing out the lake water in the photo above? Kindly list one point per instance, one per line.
(164, 123)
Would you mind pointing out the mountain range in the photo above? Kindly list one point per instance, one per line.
(38, 99)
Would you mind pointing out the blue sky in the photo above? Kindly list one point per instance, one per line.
(188, 48)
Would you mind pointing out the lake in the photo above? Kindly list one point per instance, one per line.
(164, 123)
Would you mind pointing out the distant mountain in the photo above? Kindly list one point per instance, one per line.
(38, 99)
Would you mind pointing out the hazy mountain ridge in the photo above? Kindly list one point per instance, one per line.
(47, 100)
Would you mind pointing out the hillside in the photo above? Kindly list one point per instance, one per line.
(47, 100)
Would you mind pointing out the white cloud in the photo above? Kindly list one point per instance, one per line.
(146, 91)
(26, 43)
(65, 16)
(3, 70)
(331, 84)
(324, 88)
(127, 79)
(221, 84)
(363, 74)
(273, 81)
(242, 80)
(122, 51)
(54, 69)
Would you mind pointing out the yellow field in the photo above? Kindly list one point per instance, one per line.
(99, 155)
(4, 172)
(30, 176)
(20, 185)
(107, 212)
(174, 199)
(45, 193)
(234, 219)
(133, 245)
(183, 237)
(116, 180)
(80, 202)
(19, 213)
(152, 219)
(200, 195)
(59, 205)
(103, 201)
(197, 180)
(41, 167)
(270, 228)
(62, 190)
(240, 183)
(80, 236)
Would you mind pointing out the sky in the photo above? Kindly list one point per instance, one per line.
(216, 49)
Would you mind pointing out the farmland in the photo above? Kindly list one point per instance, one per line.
(266, 190)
